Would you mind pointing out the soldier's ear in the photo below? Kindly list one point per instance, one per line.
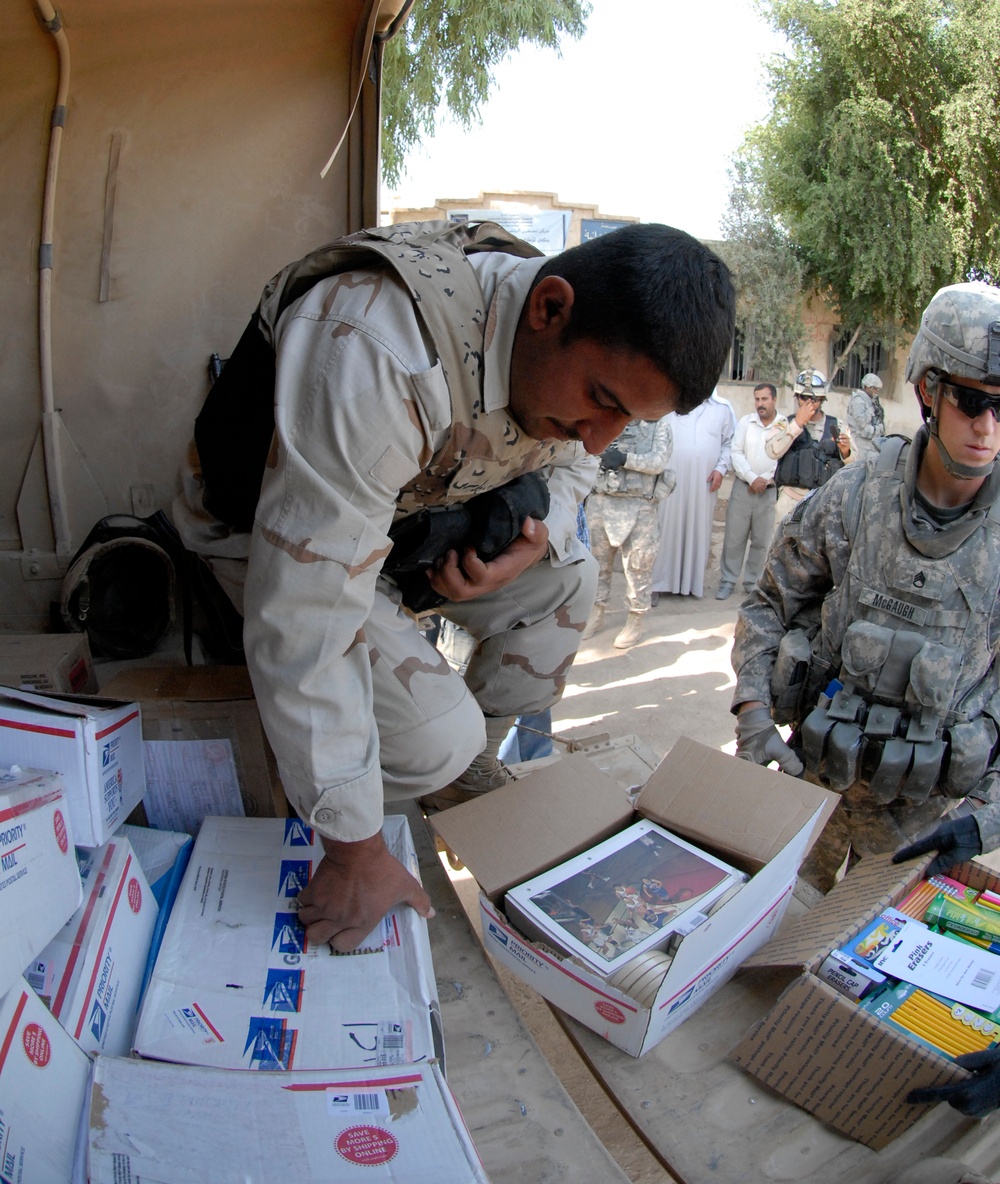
(925, 395)
(549, 305)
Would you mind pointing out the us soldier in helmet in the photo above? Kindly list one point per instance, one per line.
(875, 627)
(808, 446)
(866, 417)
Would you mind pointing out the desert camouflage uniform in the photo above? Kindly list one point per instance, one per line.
(381, 410)
(905, 613)
(866, 422)
(621, 511)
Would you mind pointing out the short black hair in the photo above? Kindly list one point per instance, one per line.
(659, 292)
(766, 386)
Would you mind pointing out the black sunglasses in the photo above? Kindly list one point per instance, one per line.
(971, 401)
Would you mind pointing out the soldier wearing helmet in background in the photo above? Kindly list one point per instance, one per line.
(866, 417)
(809, 446)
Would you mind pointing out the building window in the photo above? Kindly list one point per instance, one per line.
(854, 368)
(737, 358)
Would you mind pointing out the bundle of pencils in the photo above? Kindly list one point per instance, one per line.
(953, 1028)
(918, 901)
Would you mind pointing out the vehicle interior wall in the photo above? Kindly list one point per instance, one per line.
(190, 167)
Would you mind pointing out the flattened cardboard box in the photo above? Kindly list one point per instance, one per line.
(48, 663)
(91, 973)
(175, 1124)
(43, 1087)
(40, 885)
(237, 985)
(761, 821)
(208, 703)
(821, 1049)
(95, 743)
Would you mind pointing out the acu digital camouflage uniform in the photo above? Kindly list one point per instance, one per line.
(863, 588)
(866, 422)
(621, 510)
(393, 352)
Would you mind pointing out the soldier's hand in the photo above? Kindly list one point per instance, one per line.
(955, 841)
(352, 889)
(758, 740)
(975, 1097)
(613, 458)
(466, 577)
(806, 410)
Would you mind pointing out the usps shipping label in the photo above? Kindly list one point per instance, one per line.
(237, 984)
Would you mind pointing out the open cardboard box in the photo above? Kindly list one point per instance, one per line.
(821, 1049)
(761, 821)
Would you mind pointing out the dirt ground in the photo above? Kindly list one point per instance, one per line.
(676, 682)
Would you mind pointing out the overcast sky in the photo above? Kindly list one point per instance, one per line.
(640, 116)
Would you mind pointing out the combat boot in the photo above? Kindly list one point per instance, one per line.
(485, 773)
(631, 633)
(594, 622)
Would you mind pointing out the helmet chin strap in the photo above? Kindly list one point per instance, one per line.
(962, 472)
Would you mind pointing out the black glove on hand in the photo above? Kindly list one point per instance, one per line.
(955, 841)
(973, 1098)
(758, 740)
(613, 458)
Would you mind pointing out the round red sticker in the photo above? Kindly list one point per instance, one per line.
(612, 1014)
(62, 835)
(134, 895)
(368, 1145)
(36, 1045)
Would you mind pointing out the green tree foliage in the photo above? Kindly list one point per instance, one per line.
(444, 56)
(881, 158)
(769, 278)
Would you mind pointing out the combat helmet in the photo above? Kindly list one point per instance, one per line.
(810, 382)
(871, 382)
(959, 335)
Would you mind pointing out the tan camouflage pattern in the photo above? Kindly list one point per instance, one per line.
(845, 556)
(621, 511)
(866, 423)
(393, 381)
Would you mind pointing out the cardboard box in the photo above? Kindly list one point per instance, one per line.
(96, 744)
(208, 703)
(176, 1124)
(821, 1049)
(236, 984)
(761, 821)
(47, 663)
(90, 974)
(43, 1088)
(40, 885)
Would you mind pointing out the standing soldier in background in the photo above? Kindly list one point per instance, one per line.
(750, 512)
(866, 417)
(632, 480)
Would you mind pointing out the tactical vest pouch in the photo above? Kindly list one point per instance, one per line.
(970, 749)
(887, 781)
(864, 652)
(843, 754)
(925, 770)
(934, 673)
(788, 678)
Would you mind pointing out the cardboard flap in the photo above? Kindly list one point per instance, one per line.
(528, 826)
(730, 805)
(81, 706)
(197, 684)
(871, 886)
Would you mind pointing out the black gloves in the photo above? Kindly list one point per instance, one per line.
(613, 458)
(758, 740)
(955, 841)
(975, 1097)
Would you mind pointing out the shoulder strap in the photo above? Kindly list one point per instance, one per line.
(891, 460)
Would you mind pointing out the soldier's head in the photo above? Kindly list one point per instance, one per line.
(954, 365)
(871, 384)
(810, 390)
(630, 325)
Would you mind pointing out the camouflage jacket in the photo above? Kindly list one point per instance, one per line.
(857, 566)
(647, 447)
(866, 422)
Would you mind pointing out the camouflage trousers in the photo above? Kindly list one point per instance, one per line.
(860, 827)
(628, 524)
(430, 719)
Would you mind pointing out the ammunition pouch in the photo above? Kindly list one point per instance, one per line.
(789, 676)
(489, 522)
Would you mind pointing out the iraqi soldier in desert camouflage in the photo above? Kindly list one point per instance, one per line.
(412, 369)
(875, 627)
(632, 480)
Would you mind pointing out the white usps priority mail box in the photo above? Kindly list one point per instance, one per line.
(43, 1088)
(91, 973)
(96, 744)
(237, 985)
(177, 1123)
(39, 881)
